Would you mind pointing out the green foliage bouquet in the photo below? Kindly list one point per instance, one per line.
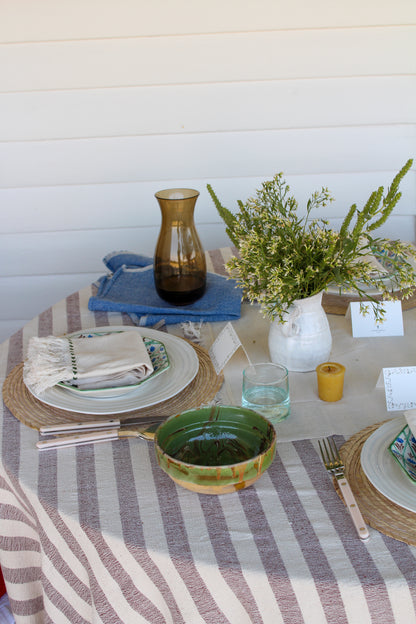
(283, 257)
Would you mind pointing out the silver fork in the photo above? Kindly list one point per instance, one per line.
(334, 465)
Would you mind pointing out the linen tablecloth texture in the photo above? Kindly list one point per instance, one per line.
(100, 534)
(130, 288)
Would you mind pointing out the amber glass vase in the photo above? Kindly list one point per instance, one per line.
(179, 263)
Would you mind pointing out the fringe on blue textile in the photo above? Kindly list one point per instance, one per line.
(130, 288)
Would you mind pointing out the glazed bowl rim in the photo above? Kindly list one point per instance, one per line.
(215, 466)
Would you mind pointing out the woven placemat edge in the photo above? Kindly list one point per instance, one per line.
(373, 505)
(171, 404)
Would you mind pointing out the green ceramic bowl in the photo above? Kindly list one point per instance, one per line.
(215, 450)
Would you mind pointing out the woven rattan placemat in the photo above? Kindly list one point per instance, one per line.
(378, 511)
(33, 413)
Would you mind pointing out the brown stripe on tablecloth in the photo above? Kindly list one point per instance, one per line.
(32, 606)
(11, 441)
(217, 260)
(91, 593)
(19, 542)
(48, 477)
(270, 556)
(372, 582)
(73, 312)
(50, 549)
(21, 575)
(126, 319)
(89, 514)
(15, 354)
(405, 561)
(11, 512)
(45, 323)
(131, 524)
(53, 552)
(27, 608)
(101, 318)
(23, 509)
(325, 582)
(61, 603)
(90, 523)
(179, 548)
(132, 594)
(226, 556)
(60, 565)
(11, 426)
(32, 574)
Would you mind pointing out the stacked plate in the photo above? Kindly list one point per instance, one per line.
(175, 366)
(382, 469)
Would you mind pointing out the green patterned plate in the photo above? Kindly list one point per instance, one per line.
(403, 449)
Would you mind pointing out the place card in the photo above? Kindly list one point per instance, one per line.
(224, 346)
(400, 387)
(364, 324)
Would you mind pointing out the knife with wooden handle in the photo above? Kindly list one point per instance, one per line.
(146, 432)
(94, 425)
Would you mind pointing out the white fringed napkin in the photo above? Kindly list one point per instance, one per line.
(116, 359)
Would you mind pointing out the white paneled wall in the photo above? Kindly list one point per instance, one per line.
(102, 103)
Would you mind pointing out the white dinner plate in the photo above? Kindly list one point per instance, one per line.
(184, 365)
(383, 471)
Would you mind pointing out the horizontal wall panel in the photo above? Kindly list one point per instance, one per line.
(208, 58)
(108, 206)
(345, 189)
(30, 21)
(207, 108)
(210, 155)
(396, 228)
(28, 296)
(80, 252)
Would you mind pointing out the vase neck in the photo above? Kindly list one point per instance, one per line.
(177, 205)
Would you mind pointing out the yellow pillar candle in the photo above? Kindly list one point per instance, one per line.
(330, 381)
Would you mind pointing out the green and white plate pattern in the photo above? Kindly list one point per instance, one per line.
(403, 449)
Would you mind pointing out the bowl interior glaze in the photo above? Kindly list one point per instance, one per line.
(215, 450)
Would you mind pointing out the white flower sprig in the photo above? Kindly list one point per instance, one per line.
(283, 257)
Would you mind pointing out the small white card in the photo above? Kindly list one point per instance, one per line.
(364, 325)
(224, 346)
(400, 387)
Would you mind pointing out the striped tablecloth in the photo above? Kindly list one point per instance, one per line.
(99, 533)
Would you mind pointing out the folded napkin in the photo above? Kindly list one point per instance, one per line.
(130, 288)
(116, 359)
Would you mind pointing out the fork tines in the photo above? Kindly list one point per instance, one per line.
(330, 454)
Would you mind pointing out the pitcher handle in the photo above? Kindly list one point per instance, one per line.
(289, 328)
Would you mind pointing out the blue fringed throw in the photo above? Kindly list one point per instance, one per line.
(130, 288)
